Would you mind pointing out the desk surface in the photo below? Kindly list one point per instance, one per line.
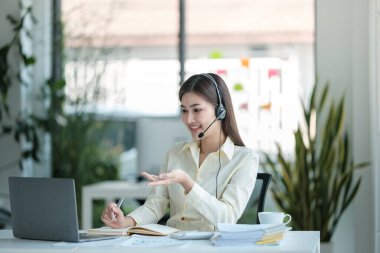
(294, 242)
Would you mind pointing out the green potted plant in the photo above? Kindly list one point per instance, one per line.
(316, 183)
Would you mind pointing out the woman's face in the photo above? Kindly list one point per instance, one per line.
(198, 114)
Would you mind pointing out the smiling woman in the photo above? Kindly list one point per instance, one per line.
(266, 64)
(206, 181)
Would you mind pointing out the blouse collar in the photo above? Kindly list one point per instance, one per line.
(227, 147)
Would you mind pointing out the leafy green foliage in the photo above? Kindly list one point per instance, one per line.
(80, 154)
(78, 149)
(22, 125)
(317, 184)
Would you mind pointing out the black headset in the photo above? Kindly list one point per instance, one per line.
(220, 110)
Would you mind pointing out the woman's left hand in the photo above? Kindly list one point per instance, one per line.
(174, 176)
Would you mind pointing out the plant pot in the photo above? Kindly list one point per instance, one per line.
(327, 247)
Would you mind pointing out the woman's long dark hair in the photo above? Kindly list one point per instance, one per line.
(202, 85)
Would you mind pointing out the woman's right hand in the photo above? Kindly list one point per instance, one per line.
(119, 221)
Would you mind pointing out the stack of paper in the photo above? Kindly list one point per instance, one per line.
(239, 234)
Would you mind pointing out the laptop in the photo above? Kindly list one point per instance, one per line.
(45, 209)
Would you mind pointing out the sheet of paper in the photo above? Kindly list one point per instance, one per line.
(152, 241)
(117, 242)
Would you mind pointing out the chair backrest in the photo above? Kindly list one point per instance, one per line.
(257, 200)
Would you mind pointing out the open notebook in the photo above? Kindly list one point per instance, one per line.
(148, 229)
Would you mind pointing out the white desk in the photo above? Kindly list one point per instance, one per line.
(109, 190)
(294, 242)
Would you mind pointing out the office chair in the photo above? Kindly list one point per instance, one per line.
(257, 200)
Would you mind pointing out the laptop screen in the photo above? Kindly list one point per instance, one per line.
(44, 208)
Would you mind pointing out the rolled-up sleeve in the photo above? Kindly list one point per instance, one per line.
(154, 207)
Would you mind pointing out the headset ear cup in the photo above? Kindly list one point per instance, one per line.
(220, 112)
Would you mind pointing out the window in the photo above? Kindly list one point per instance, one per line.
(128, 51)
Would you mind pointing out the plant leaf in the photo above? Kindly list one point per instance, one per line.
(12, 20)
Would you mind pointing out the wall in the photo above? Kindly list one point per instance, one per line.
(363, 206)
(40, 46)
(375, 110)
(342, 57)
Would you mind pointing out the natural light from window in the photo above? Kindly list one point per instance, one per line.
(122, 58)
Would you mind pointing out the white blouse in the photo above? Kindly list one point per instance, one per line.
(200, 209)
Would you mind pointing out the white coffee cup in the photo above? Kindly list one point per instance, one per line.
(274, 218)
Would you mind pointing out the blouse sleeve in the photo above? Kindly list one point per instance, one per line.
(235, 197)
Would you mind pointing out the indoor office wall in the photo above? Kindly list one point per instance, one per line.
(33, 102)
(342, 57)
(374, 6)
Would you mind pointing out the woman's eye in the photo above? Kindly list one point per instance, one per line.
(183, 111)
(197, 110)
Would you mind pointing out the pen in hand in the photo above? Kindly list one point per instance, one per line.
(118, 205)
